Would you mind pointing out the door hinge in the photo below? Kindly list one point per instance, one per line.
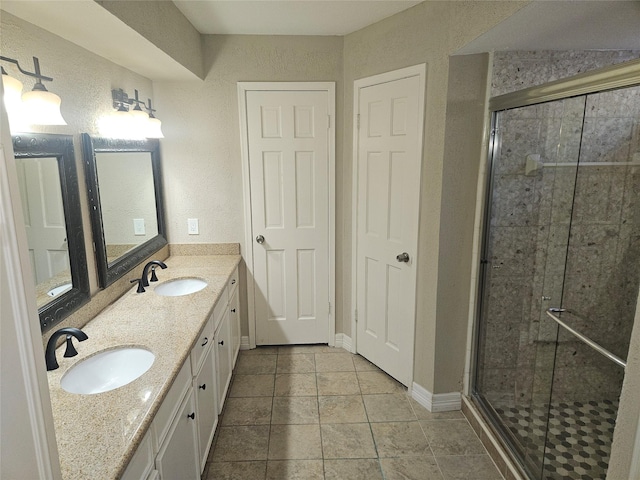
(328, 122)
(355, 315)
(358, 121)
(329, 307)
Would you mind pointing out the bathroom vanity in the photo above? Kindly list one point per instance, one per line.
(162, 424)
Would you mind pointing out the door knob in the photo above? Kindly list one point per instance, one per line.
(403, 257)
(260, 239)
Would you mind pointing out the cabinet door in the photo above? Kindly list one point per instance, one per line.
(179, 455)
(234, 319)
(223, 358)
(204, 387)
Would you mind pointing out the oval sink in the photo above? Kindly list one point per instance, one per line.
(180, 286)
(59, 289)
(107, 370)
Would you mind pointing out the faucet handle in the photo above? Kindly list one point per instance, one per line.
(71, 350)
(140, 285)
(154, 277)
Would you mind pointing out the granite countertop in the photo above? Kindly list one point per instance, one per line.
(98, 434)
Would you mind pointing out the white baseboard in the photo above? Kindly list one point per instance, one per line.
(343, 341)
(439, 402)
(244, 343)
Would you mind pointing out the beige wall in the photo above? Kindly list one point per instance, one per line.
(427, 33)
(164, 25)
(201, 152)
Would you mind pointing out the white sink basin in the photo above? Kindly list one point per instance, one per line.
(107, 370)
(59, 289)
(180, 286)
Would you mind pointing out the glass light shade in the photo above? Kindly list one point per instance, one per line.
(139, 122)
(154, 128)
(42, 108)
(12, 93)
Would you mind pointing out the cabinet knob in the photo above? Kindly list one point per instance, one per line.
(206, 340)
(192, 415)
(233, 310)
(203, 386)
(233, 282)
(221, 342)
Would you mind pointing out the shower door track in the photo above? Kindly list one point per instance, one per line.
(622, 75)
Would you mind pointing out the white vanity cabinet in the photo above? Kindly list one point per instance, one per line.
(177, 443)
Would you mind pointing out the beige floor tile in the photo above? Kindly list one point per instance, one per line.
(295, 442)
(247, 411)
(295, 470)
(400, 439)
(352, 469)
(411, 468)
(464, 467)
(347, 440)
(378, 382)
(293, 349)
(265, 350)
(342, 409)
(337, 383)
(256, 364)
(294, 410)
(388, 407)
(334, 362)
(424, 414)
(295, 385)
(364, 365)
(242, 443)
(296, 363)
(452, 437)
(237, 470)
(252, 386)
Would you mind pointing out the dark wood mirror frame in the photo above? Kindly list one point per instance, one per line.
(107, 274)
(40, 145)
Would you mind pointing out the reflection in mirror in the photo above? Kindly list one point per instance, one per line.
(125, 194)
(43, 212)
(128, 201)
(49, 195)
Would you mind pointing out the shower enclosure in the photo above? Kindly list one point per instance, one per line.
(560, 270)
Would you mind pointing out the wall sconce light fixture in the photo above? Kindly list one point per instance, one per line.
(134, 122)
(37, 107)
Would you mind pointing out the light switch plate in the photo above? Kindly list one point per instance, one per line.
(192, 226)
(138, 226)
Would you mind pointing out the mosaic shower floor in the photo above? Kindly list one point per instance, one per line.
(580, 435)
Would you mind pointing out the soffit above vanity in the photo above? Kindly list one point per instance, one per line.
(89, 25)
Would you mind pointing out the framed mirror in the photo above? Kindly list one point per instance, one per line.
(125, 196)
(50, 198)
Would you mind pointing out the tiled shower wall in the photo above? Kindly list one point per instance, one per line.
(530, 226)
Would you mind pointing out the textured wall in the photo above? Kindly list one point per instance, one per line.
(202, 164)
(163, 24)
(427, 33)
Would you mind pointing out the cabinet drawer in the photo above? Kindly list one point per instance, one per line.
(167, 411)
(201, 347)
(141, 465)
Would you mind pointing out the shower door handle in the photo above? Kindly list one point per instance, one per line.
(403, 257)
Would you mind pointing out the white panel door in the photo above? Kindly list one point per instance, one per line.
(288, 144)
(43, 216)
(388, 193)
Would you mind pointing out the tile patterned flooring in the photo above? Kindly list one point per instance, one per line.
(316, 412)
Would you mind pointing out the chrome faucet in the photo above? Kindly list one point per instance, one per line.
(50, 354)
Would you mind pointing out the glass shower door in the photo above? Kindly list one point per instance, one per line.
(600, 288)
(524, 263)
